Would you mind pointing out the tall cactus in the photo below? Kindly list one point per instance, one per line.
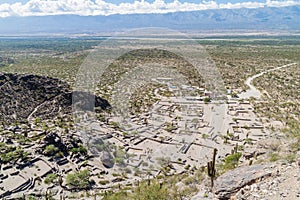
(211, 169)
(235, 149)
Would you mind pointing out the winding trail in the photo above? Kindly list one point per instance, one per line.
(29, 118)
(253, 91)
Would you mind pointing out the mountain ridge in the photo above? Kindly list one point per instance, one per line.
(261, 19)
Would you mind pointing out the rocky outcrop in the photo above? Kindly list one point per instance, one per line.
(53, 139)
(284, 185)
(232, 181)
(64, 143)
(26, 96)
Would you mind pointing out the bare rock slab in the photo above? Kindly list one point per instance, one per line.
(230, 182)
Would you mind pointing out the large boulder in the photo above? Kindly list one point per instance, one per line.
(107, 159)
(230, 182)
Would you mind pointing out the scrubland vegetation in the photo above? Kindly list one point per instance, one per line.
(236, 59)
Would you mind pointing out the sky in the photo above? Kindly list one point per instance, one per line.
(25, 8)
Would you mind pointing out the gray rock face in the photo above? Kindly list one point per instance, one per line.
(230, 182)
(107, 159)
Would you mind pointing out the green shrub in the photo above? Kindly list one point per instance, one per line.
(116, 196)
(51, 150)
(206, 99)
(154, 191)
(30, 198)
(120, 155)
(231, 162)
(81, 149)
(50, 178)
(290, 157)
(274, 157)
(169, 127)
(8, 157)
(103, 182)
(204, 136)
(79, 180)
(11, 154)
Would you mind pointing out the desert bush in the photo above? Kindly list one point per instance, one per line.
(230, 162)
(79, 180)
(50, 178)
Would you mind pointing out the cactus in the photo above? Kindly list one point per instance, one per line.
(160, 185)
(211, 170)
(232, 151)
(250, 162)
(236, 148)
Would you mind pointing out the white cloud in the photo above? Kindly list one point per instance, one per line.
(100, 7)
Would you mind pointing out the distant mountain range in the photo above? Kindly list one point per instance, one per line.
(259, 19)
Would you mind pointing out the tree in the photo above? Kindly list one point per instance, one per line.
(50, 178)
(79, 180)
(81, 149)
(51, 150)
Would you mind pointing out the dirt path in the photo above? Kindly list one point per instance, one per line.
(253, 91)
(29, 118)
